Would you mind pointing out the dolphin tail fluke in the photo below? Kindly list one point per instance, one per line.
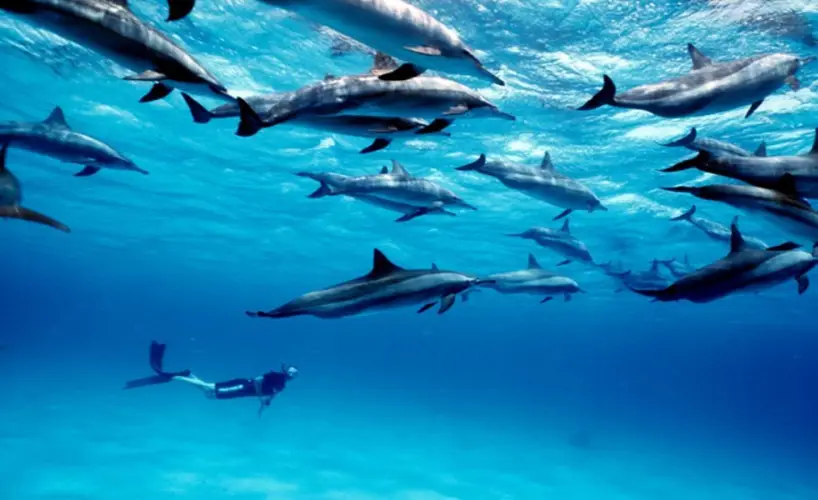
(687, 216)
(376, 145)
(446, 303)
(323, 190)
(437, 125)
(564, 213)
(604, 97)
(18, 212)
(803, 283)
(475, 165)
(179, 9)
(249, 122)
(565, 262)
(199, 113)
(157, 92)
(547, 299)
(697, 161)
(684, 141)
(405, 71)
(88, 170)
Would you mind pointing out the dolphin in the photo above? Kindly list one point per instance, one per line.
(714, 230)
(394, 27)
(649, 279)
(534, 280)
(789, 213)
(711, 87)
(560, 241)
(423, 97)
(398, 187)
(788, 24)
(793, 175)
(544, 183)
(11, 195)
(715, 147)
(54, 137)
(743, 269)
(382, 129)
(386, 286)
(330, 181)
(680, 269)
(109, 28)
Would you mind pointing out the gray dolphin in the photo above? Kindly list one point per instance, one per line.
(11, 195)
(386, 286)
(334, 181)
(711, 87)
(793, 175)
(680, 269)
(649, 279)
(108, 27)
(534, 280)
(743, 269)
(714, 230)
(790, 214)
(544, 183)
(399, 187)
(394, 27)
(53, 137)
(382, 129)
(715, 147)
(560, 241)
(423, 97)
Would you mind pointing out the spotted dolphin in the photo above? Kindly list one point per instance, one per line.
(394, 27)
(717, 148)
(386, 286)
(711, 87)
(560, 241)
(398, 186)
(785, 211)
(109, 28)
(55, 138)
(11, 196)
(714, 230)
(743, 269)
(534, 280)
(795, 175)
(330, 181)
(544, 183)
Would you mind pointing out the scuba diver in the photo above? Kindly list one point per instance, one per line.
(265, 387)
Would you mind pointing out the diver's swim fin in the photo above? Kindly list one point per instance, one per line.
(143, 382)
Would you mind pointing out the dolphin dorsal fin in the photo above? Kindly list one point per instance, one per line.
(654, 267)
(384, 170)
(434, 267)
(814, 150)
(737, 243)
(3, 152)
(56, 118)
(329, 77)
(566, 226)
(398, 170)
(546, 163)
(532, 262)
(381, 265)
(121, 3)
(761, 150)
(699, 60)
(382, 63)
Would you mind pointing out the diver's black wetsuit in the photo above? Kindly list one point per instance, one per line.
(269, 384)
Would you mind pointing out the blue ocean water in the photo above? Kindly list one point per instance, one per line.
(606, 397)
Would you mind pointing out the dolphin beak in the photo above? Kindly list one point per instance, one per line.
(807, 60)
(602, 207)
(504, 115)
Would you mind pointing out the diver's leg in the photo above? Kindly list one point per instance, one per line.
(207, 387)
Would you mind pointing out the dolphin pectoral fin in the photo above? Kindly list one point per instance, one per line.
(426, 307)
(413, 215)
(403, 72)
(376, 145)
(565, 262)
(425, 50)
(179, 9)
(437, 125)
(803, 283)
(88, 170)
(199, 113)
(249, 121)
(18, 212)
(457, 110)
(547, 299)
(753, 108)
(157, 92)
(323, 190)
(147, 76)
(563, 214)
(793, 82)
(446, 303)
(567, 297)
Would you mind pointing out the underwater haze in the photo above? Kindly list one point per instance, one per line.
(609, 396)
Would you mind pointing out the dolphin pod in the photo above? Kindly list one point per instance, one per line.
(394, 27)
(743, 269)
(54, 137)
(109, 28)
(544, 183)
(710, 87)
(386, 286)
